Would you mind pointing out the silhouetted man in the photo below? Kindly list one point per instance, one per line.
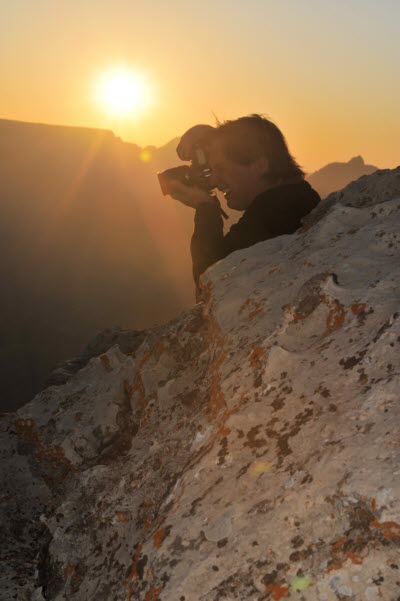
(251, 164)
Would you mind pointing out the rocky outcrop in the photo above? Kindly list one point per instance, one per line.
(335, 176)
(247, 450)
(126, 340)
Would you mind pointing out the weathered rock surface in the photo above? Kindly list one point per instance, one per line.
(248, 450)
(126, 340)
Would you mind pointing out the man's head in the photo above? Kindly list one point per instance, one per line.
(247, 156)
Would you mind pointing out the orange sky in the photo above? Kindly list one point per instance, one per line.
(326, 73)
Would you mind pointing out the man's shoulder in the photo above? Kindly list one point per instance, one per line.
(280, 210)
(275, 212)
(297, 195)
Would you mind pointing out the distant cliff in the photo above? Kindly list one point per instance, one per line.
(247, 450)
(336, 176)
(86, 241)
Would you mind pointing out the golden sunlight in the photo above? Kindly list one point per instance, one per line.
(122, 91)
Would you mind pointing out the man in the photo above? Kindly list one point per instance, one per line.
(251, 164)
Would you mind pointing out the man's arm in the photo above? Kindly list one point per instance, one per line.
(207, 244)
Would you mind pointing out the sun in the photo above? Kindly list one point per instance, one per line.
(122, 91)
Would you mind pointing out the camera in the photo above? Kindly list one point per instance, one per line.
(192, 147)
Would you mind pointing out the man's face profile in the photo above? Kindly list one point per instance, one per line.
(240, 183)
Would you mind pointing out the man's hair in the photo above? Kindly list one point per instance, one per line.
(246, 139)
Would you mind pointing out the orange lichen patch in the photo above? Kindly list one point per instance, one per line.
(216, 400)
(139, 389)
(257, 311)
(53, 456)
(298, 316)
(224, 431)
(244, 305)
(156, 352)
(122, 516)
(276, 591)
(56, 458)
(356, 558)
(337, 554)
(134, 574)
(338, 545)
(257, 356)
(340, 555)
(253, 307)
(391, 530)
(153, 593)
(292, 314)
(336, 317)
(335, 566)
(205, 292)
(158, 349)
(373, 504)
(358, 308)
(26, 429)
(159, 537)
(105, 361)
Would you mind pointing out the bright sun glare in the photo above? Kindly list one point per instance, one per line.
(122, 91)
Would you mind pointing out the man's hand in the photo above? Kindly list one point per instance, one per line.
(190, 196)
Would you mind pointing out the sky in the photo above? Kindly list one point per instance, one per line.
(327, 73)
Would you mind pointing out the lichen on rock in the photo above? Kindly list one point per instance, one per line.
(247, 450)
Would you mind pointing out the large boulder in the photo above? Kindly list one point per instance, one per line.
(247, 450)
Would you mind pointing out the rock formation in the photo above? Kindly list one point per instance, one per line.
(127, 340)
(248, 450)
(336, 176)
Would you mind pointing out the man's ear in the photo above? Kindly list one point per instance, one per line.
(261, 166)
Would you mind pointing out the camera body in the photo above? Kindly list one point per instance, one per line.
(192, 147)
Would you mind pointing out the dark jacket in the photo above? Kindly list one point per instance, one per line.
(275, 212)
